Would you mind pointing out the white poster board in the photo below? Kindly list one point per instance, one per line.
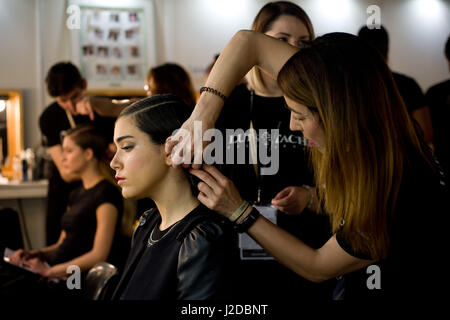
(114, 43)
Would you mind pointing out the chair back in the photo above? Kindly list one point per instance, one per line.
(98, 279)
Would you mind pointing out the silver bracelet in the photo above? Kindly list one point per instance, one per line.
(310, 202)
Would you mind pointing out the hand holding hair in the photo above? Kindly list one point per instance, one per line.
(217, 192)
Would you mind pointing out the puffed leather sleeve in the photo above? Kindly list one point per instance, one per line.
(204, 263)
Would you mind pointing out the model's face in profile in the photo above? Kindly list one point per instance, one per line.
(290, 29)
(74, 158)
(302, 119)
(138, 162)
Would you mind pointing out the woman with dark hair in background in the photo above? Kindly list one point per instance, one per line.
(410, 91)
(375, 176)
(92, 220)
(171, 78)
(181, 250)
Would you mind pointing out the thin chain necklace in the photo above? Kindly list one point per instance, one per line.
(152, 241)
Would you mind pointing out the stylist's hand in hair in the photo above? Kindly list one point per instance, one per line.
(181, 144)
(217, 192)
(291, 200)
(182, 147)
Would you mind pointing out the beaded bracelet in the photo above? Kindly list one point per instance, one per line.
(213, 91)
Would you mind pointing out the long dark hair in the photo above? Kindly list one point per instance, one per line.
(159, 116)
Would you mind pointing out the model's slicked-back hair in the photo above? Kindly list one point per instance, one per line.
(159, 116)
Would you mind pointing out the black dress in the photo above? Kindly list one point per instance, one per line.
(80, 220)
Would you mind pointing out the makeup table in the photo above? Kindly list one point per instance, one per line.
(29, 199)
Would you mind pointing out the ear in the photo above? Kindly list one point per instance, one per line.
(88, 154)
(167, 157)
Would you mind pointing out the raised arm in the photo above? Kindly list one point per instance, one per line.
(244, 51)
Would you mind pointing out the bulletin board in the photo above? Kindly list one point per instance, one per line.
(114, 46)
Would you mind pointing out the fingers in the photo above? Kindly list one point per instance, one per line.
(34, 264)
(216, 174)
(170, 143)
(286, 201)
(283, 198)
(208, 179)
(16, 257)
(186, 146)
(280, 203)
(206, 201)
(280, 208)
(283, 193)
(72, 109)
(212, 177)
(196, 166)
(288, 209)
(206, 195)
(90, 112)
(84, 107)
(181, 152)
(179, 147)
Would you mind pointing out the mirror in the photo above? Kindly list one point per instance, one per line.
(11, 128)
